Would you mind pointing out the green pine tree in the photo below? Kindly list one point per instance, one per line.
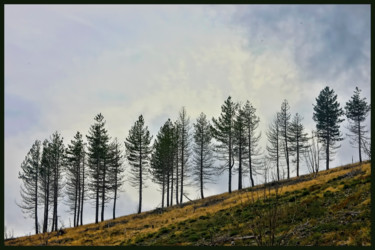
(29, 175)
(327, 113)
(223, 132)
(138, 154)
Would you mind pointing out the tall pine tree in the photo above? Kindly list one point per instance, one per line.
(97, 163)
(74, 155)
(117, 171)
(29, 175)
(240, 142)
(138, 154)
(184, 147)
(327, 113)
(252, 123)
(284, 129)
(203, 171)
(356, 110)
(57, 158)
(223, 132)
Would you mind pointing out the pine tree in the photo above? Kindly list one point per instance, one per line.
(162, 158)
(356, 110)
(252, 123)
(97, 161)
(274, 138)
(284, 128)
(184, 129)
(74, 155)
(223, 132)
(327, 113)
(45, 182)
(240, 142)
(29, 175)
(57, 158)
(203, 162)
(117, 171)
(298, 139)
(138, 154)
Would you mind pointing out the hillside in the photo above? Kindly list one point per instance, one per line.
(331, 209)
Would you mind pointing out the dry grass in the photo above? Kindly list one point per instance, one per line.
(126, 229)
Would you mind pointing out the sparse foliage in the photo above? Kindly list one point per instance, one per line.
(356, 110)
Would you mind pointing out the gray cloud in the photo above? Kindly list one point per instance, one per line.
(64, 64)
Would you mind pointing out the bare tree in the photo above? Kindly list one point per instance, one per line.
(312, 154)
(357, 110)
(274, 139)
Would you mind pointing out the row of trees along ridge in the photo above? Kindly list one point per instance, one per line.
(95, 170)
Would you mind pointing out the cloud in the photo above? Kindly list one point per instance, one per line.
(64, 64)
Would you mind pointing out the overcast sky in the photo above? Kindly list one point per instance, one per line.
(64, 64)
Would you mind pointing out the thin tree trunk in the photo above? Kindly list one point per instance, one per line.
(115, 194)
(163, 191)
(172, 182)
(177, 175)
(140, 184)
(36, 200)
(250, 167)
(79, 192)
(286, 147)
(327, 154)
(240, 167)
(168, 177)
(359, 141)
(103, 191)
(230, 167)
(83, 187)
(201, 172)
(182, 166)
(277, 152)
(97, 195)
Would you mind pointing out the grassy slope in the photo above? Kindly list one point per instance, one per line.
(332, 209)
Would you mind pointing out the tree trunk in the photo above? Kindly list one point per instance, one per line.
(163, 191)
(36, 200)
(172, 182)
(97, 195)
(79, 192)
(140, 184)
(297, 158)
(327, 154)
(168, 177)
(83, 187)
(240, 168)
(103, 191)
(201, 168)
(359, 141)
(250, 167)
(177, 176)
(115, 195)
(182, 166)
(277, 153)
(230, 165)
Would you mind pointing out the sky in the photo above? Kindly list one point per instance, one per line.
(64, 64)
